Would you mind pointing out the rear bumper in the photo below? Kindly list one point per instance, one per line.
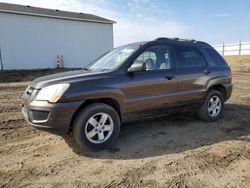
(55, 118)
(229, 89)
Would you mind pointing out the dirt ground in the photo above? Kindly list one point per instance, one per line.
(175, 150)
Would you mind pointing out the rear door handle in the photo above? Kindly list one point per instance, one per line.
(169, 77)
(207, 72)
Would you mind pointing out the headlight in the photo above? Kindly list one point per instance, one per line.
(52, 93)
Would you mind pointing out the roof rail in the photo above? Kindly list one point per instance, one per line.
(174, 39)
(187, 40)
(201, 42)
(165, 39)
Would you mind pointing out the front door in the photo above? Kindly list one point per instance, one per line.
(157, 86)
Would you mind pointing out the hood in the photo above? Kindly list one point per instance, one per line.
(63, 77)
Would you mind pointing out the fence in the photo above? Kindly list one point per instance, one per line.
(241, 48)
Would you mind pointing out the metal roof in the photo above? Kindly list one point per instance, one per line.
(51, 13)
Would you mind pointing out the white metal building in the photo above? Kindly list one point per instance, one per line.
(31, 37)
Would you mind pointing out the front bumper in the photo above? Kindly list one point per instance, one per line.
(54, 118)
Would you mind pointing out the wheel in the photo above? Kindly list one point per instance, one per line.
(212, 107)
(96, 126)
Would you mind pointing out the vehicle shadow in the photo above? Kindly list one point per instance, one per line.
(172, 134)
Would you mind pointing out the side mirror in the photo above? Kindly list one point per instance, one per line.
(137, 67)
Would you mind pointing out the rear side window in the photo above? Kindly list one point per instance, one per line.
(188, 56)
(215, 60)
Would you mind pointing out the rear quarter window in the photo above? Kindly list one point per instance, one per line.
(215, 60)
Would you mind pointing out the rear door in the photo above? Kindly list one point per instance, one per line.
(157, 86)
(192, 73)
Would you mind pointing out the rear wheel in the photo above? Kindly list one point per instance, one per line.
(96, 126)
(212, 108)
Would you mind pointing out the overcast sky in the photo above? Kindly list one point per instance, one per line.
(213, 21)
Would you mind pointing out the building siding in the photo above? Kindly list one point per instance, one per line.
(30, 42)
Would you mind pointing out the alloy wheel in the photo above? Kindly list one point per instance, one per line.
(99, 128)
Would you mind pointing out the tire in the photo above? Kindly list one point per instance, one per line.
(92, 131)
(211, 113)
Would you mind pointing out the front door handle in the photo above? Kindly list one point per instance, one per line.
(169, 77)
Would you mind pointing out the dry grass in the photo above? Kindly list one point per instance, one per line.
(239, 63)
(8, 76)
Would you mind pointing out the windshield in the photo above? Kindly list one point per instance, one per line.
(112, 59)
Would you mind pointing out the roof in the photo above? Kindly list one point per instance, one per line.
(51, 13)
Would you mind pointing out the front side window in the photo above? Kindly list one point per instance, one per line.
(155, 58)
(146, 55)
(188, 56)
(112, 59)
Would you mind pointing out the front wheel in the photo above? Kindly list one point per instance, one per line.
(96, 126)
(212, 107)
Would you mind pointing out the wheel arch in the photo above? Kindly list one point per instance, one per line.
(220, 88)
(109, 101)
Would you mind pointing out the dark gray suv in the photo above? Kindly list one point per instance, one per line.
(134, 80)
